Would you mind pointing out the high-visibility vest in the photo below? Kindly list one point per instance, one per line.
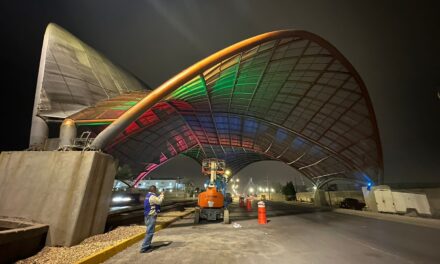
(148, 206)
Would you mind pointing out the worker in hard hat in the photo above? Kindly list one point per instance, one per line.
(151, 209)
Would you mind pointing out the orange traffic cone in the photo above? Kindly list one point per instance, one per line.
(249, 204)
(262, 219)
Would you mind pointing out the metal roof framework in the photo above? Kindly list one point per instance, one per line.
(294, 98)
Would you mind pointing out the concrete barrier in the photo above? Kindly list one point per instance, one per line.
(69, 191)
(20, 239)
(433, 196)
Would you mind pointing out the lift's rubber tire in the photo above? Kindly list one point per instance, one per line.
(226, 216)
(196, 216)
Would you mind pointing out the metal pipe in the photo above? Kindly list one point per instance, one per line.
(314, 163)
(213, 166)
(67, 133)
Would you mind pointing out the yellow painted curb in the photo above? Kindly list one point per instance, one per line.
(110, 251)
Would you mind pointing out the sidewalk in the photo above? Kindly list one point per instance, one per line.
(419, 221)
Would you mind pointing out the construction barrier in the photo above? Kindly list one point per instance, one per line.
(249, 204)
(262, 219)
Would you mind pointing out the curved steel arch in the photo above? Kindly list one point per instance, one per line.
(194, 95)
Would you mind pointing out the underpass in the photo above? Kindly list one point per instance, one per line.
(294, 234)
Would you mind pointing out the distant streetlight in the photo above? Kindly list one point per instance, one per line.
(237, 180)
(251, 190)
(267, 189)
(272, 190)
(228, 172)
(314, 188)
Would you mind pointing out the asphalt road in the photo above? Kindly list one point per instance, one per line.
(293, 235)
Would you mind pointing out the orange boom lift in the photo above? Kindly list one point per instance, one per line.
(211, 203)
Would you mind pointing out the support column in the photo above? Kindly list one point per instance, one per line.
(319, 198)
(68, 190)
(67, 133)
(39, 133)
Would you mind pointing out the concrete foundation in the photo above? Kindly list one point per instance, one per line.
(20, 239)
(69, 191)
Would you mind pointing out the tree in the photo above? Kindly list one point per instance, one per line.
(289, 191)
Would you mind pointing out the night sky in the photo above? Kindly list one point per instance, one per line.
(393, 46)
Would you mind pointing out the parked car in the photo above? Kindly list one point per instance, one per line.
(351, 203)
(125, 198)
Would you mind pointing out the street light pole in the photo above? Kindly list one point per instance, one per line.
(267, 185)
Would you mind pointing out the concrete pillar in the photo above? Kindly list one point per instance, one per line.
(39, 133)
(320, 199)
(67, 133)
(69, 190)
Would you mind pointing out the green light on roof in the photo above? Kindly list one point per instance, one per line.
(192, 88)
(121, 108)
(94, 124)
(131, 103)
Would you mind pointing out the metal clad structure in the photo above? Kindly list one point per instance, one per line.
(74, 76)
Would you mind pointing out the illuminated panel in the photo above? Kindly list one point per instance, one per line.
(295, 99)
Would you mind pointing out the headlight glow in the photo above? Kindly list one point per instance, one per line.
(119, 199)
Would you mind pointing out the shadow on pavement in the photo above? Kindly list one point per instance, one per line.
(158, 245)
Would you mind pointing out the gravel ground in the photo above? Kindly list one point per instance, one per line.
(86, 248)
(94, 244)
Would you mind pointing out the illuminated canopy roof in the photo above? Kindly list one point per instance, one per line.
(292, 98)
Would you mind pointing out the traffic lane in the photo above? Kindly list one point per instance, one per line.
(415, 243)
(218, 243)
(319, 237)
(412, 242)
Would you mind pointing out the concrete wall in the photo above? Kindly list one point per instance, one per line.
(273, 196)
(306, 197)
(69, 191)
(322, 198)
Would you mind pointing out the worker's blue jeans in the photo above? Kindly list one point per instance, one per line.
(150, 222)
